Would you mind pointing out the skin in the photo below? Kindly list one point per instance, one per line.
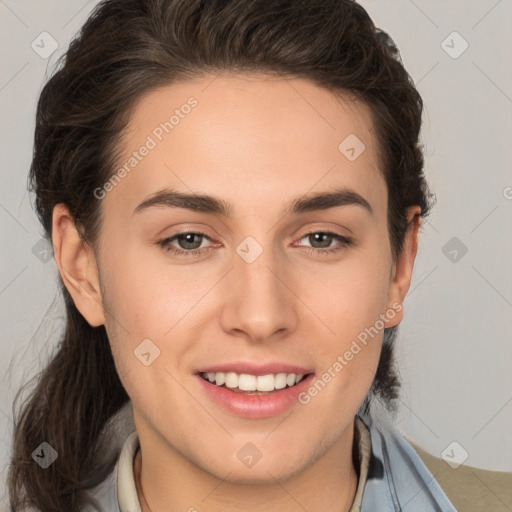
(256, 142)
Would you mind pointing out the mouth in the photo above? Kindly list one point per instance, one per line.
(248, 384)
(251, 390)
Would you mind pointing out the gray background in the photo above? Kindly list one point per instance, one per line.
(455, 353)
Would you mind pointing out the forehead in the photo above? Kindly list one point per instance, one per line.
(253, 137)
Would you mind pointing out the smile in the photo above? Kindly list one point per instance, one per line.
(253, 396)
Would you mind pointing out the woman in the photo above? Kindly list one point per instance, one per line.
(234, 192)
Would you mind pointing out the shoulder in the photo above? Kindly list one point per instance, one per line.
(470, 489)
(397, 478)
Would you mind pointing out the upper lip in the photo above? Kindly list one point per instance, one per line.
(255, 369)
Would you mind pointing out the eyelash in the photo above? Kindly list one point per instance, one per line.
(165, 244)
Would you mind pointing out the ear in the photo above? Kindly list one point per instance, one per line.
(77, 266)
(401, 272)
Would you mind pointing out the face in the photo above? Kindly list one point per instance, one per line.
(258, 280)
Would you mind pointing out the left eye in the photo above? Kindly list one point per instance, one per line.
(190, 246)
(320, 236)
(186, 240)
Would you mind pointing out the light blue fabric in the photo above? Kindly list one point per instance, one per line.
(398, 481)
(106, 494)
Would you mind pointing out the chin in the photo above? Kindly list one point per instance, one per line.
(261, 472)
(263, 476)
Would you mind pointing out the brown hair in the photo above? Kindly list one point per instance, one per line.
(125, 49)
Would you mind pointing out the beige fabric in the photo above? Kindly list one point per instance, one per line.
(470, 489)
(127, 491)
(363, 442)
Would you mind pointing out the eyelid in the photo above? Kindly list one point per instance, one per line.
(343, 242)
(165, 243)
(314, 231)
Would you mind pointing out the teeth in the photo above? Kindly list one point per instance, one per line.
(290, 379)
(246, 382)
(231, 380)
(280, 381)
(265, 382)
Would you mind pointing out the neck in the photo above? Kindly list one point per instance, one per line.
(333, 478)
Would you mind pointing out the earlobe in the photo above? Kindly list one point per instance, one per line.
(77, 266)
(403, 267)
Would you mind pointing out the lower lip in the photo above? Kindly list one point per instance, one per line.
(256, 406)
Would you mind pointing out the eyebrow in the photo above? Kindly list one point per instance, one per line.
(208, 204)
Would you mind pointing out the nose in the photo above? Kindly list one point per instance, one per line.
(259, 301)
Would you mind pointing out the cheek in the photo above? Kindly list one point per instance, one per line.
(147, 303)
(350, 305)
(148, 298)
(351, 297)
